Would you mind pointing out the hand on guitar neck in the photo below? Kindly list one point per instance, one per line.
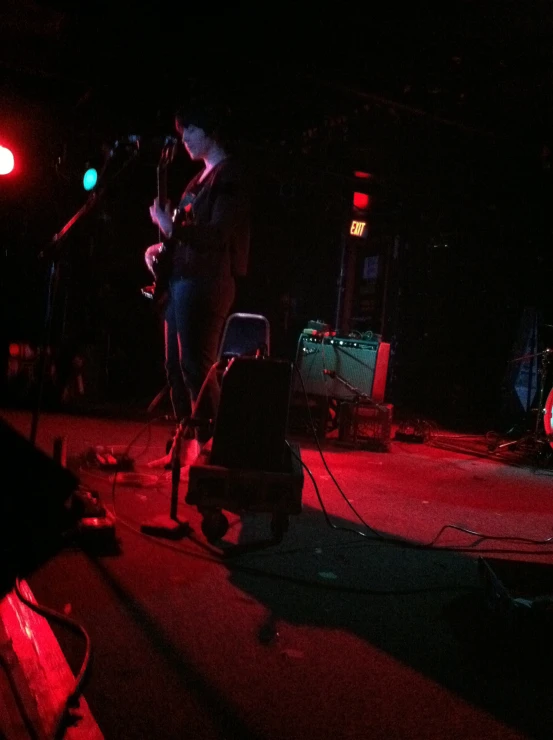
(157, 259)
(160, 213)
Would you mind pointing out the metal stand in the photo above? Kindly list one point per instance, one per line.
(52, 252)
(158, 399)
(341, 284)
(346, 286)
(536, 439)
(360, 400)
(171, 527)
(358, 396)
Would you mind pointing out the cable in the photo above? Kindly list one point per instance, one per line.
(218, 365)
(72, 698)
(216, 558)
(146, 427)
(399, 540)
(260, 572)
(382, 537)
(421, 546)
(371, 529)
(480, 535)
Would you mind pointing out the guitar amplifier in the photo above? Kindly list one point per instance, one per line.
(361, 363)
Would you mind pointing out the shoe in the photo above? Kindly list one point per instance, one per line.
(161, 462)
(189, 451)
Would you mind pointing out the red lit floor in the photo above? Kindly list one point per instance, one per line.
(329, 634)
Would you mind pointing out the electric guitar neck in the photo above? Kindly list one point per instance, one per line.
(165, 159)
(158, 291)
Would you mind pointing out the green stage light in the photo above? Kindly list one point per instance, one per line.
(90, 179)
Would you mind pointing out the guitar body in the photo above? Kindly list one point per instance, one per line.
(158, 292)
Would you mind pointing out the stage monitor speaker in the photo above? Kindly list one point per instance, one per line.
(34, 506)
(250, 429)
(362, 363)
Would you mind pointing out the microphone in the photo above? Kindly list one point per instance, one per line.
(170, 145)
(130, 140)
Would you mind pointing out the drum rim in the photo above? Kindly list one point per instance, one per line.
(548, 416)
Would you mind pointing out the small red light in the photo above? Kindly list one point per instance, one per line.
(362, 175)
(361, 201)
(14, 350)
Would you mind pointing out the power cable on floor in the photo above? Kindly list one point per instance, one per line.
(386, 537)
(73, 697)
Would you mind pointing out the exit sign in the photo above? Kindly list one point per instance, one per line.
(358, 228)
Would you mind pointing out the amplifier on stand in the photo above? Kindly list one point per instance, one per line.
(362, 363)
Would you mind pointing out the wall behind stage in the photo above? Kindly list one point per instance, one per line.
(468, 229)
(452, 311)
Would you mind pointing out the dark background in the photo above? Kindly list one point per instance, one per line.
(451, 115)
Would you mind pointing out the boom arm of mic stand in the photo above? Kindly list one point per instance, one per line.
(52, 252)
(56, 239)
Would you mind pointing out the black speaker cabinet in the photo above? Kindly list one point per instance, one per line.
(34, 505)
(250, 429)
(361, 363)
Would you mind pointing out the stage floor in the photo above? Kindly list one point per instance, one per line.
(369, 619)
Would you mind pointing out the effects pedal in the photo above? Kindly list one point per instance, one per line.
(95, 524)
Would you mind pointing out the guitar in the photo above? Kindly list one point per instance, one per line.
(157, 292)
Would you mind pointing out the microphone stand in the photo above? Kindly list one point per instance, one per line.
(358, 398)
(52, 252)
(357, 394)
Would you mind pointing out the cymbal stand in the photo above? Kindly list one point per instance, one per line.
(535, 439)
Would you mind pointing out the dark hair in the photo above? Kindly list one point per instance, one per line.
(212, 118)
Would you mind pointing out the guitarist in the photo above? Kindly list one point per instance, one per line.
(206, 247)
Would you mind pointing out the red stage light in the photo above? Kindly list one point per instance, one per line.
(7, 161)
(14, 350)
(361, 201)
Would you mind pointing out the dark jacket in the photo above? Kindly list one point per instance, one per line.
(211, 233)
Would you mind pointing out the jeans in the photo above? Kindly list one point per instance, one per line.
(194, 319)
